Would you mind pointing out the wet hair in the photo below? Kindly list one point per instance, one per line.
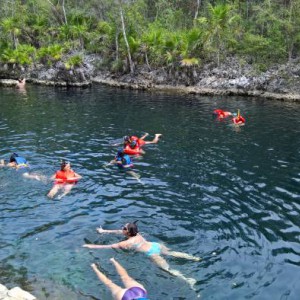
(126, 138)
(63, 164)
(132, 228)
(13, 157)
(120, 153)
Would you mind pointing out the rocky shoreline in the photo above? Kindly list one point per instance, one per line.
(232, 77)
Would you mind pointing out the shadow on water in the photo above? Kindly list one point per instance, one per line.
(227, 194)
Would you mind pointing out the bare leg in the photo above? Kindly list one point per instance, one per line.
(134, 175)
(116, 290)
(54, 190)
(34, 176)
(155, 140)
(67, 190)
(162, 263)
(144, 136)
(166, 251)
(126, 279)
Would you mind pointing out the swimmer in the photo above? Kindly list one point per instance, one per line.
(141, 141)
(221, 114)
(21, 165)
(133, 290)
(65, 179)
(124, 162)
(135, 241)
(21, 83)
(238, 120)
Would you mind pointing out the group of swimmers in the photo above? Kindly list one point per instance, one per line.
(65, 178)
(132, 145)
(236, 120)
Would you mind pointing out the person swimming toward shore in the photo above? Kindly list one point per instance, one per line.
(135, 241)
(133, 290)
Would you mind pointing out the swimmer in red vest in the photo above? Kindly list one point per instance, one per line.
(221, 114)
(133, 145)
(64, 179)
(238, 120)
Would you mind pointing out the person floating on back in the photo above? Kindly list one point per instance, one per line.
(133, 290)
(238, 120)
(21, 165)
(64, 179)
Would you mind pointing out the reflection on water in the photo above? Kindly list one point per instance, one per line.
(227, 194)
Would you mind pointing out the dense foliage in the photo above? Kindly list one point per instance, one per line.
(127, 33)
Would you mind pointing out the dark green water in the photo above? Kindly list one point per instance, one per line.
(230, 196)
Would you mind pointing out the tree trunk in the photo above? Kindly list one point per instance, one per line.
(125, 38)
(197, 10)
(65, 16)
(117, 45)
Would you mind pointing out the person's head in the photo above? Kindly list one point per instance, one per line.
(127, 139)
(120, 153)
(13, 157)
(133, 144)
(130, 229)
(65, 165)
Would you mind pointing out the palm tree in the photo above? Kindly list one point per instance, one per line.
(217, 27)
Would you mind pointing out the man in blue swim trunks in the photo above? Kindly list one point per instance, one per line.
(21, 165)
(132, 291)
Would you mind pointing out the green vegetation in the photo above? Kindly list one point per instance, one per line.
(157, 33)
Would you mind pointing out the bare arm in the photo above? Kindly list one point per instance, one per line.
(93, 246)
(101, 230)
(76, 176)
(121, 245)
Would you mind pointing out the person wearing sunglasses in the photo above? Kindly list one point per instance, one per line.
(133, 290)
(136, 241)
(64, 179)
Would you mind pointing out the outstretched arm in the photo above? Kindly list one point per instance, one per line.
(120, 245)
(93, 246)
(101, 230)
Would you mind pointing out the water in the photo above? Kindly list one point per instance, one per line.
(228, 195)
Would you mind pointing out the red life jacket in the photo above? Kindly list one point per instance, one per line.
(132, 151)
(238, 120)
(63, 176)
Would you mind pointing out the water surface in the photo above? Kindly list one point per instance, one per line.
(229, 195)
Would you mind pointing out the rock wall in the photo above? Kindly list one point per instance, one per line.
(232, 77)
